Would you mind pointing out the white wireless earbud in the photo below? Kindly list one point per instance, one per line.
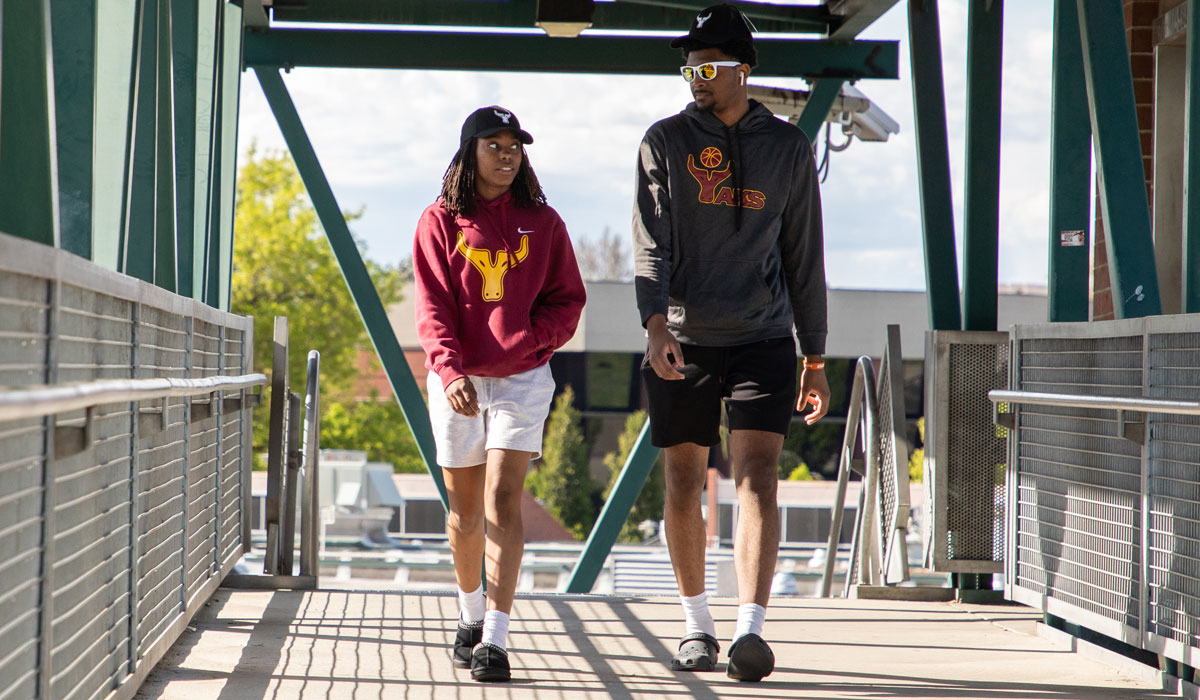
(741, 78)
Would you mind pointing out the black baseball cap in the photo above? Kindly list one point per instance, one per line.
(716, 25)
(486, 121)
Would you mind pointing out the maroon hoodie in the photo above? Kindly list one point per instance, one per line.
(498, 291)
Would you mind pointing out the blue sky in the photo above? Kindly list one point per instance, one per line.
(385, 137)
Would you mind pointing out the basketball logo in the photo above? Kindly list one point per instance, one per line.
(710, 157)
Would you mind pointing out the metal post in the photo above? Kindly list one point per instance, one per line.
(165, 263)
(28, 168)
(981, 199)
(1122, 175)
(276, 454)
(933, 165)
(50, 501)
(135, 492)
(846, 458)
(310, 511)
(820, 100)
(1070, 173)
(366, 298)
(616, 510)
(287, 546)
(73, 30)
(1191, 166)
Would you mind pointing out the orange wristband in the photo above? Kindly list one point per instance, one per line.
(814, 365)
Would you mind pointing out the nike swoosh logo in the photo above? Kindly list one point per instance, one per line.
(521, 230)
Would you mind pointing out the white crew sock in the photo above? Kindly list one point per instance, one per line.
(750, 620)
(696, 617)
(471, 605)
(495, 628)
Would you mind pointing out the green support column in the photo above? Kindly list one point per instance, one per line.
(207, 86)
(226, 174)
(1123, 197)
(212, 236)
(1191, 167)
(1070, 173)
(28, 177)
(366, 298)
(73, 31)
(184, 44)
(137, 255)
(933, 165)
(981, 199)
(165, 263)
(604, 533)
(115, 42)
(820, 101)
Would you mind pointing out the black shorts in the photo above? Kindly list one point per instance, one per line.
(756, 381)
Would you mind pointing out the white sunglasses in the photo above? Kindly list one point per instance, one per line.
(705, 71)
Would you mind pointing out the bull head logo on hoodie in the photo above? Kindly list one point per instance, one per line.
(493, 267)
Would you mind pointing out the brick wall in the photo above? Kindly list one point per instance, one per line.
(1139, 20)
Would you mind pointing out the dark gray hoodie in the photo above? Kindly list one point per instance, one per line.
(725, 274)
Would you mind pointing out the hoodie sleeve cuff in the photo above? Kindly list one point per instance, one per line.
(449, 375)
(812, 343)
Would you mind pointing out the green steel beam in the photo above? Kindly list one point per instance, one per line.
(1070, 173)
(820, 101)
(662, 16)
(115, 41)
(137, 258)
(165, 262)
(933, 165)
(226, 175)
(28, 177)
(185, 37)
(981, 198)
(1191, 167)
(813, 59)
(616, 510)
(1123, 198)
(856, 15)
(73, 30)
(212, 232)
(207, 85)
(366, 298)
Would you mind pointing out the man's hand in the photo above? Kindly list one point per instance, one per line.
(461, 395)
(662, 344)
(814, 391)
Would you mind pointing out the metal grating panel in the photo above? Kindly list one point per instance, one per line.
(202, 500)
(22, 471)
(1173, 484)
(24, 325)
(976, 454)
(160, 528)
(94, 339)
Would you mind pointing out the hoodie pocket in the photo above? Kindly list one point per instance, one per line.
(490, 332)
(718, 294)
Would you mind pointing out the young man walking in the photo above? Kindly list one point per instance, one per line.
(728, 253)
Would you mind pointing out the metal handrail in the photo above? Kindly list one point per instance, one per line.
(862, 393)
(49, 400)
(1115, 403)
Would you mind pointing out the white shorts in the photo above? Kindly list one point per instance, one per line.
(512, 415)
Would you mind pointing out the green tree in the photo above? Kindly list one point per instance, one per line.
(374, 426)
(283, 266)
(916, 458)
(562, 481)
(649, 503)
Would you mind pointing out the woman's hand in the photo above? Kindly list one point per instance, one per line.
(461, 395)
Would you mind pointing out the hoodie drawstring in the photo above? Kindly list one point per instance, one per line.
(734, 146)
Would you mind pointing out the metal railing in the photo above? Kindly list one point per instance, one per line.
(875, 447)
(125, 419)
(1103, 518)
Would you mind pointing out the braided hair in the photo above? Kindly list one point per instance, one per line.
(458, 184)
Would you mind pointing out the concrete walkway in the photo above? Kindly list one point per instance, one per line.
(337, 645)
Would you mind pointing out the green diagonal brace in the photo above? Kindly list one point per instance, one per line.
(1070, 173)
(820, 100)
(73, 24)
(981, 189)
(616, 511)
(933, 165)
(1123, 196)
(366, 298)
